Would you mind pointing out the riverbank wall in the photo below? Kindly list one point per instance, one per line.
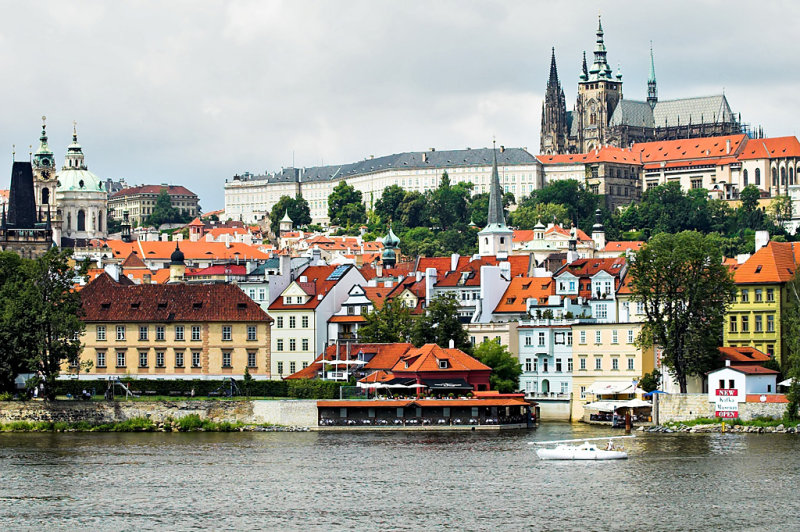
(295, 413)
(688, 406)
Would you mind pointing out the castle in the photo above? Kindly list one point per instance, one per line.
(602, 117)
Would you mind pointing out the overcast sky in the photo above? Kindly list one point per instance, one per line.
(193, 92)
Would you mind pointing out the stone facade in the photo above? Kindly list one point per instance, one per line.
(686, 407)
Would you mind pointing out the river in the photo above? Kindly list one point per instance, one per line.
(395, 481)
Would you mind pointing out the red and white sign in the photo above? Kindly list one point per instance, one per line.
(727, 405)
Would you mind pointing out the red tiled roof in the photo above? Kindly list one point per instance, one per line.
(133, 261)
(770, 398)
(347, 319)
(172, 190)
(752, 370)
(317, 283)
(521, 289)
(381, 357)
(220, 269)
(623, 245)
(773, 263)
(709, 148)
(104, 300)
(522, 235)
(196, 222)
(427, 357)
(518, 265)
(743, 354)
(566, 232)
(771, 148)
(200, 250)
(606, 154)
(377, 294)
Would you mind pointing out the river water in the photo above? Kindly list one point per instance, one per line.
(395, 481)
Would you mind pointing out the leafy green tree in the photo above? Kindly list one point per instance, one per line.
(781, 209)
(528, 215)
(164, 212)
(479, 209)
(419, 241)
(345, 205)
(650, 381)
(298, 210)
(413, 211)
(685, 289)
(13, 310)
(387, 207)
(440, 324)
(791, 362)
(388, 324)
(505, 366)
(580, 203)
(448, 204)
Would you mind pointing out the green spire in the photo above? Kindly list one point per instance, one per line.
(652, 89)
(44, 155)
(652, 76)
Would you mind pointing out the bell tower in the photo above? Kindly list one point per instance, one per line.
(44, 172)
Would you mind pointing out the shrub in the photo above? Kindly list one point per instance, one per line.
(60, 426)
(6, 396)
(257, 388)
(312, 389)
(189, 422)
(135, 424)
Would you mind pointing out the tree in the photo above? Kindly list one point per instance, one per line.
(388, 324)
(440, 324)
(781, 209)
(12, 325)
(650, 381)
(413, 211)
(345, 205)
(791, 362)
(528, 215)
(505, 366)
(685, 289)
(298, 210)
(164, 212)
(389, 203)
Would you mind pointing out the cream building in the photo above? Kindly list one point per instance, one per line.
(138, 202)
(175, 331)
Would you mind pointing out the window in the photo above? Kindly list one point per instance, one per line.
(560, 338)
(226, 359)
(639, 307)
(143, 333)
(602, 311)
(745, 295)
(758, 295)
(528, 365)
(292, 322)
(252, 293)
(597, 338)
(545, 369)
(120, 359)
(731, 384)
(251, 333)
(569, 337)
(226, 333)
(732, 325)
(262, 294)
(536, 365)
(770, 294)
(304, 322)
(758, 176)
(583, 392)
(759, 327)
(582, 363)
(179, 333)
(583, 337)
(304, 344)
(615, 363)
(279, 346)
(745, 324)
(178, 359)
(279, 322)
(598, 363)
(697, 182)
(350, 310)
(292, 367)
(528, 339)
(614, 337)
(564, 387)
(101, 332)
(101, 359)
(572, 286)
(569, 365)
(630, 364)
(195, 359)
(630, 336)
(770, 323)
(120, 332)
(541, 339)
(292, 345)
(195, 333)
(160, 335)
(558, 365)
(159, 359)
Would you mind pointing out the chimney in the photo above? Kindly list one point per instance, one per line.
(727, 362)
(316, 257)
(379, 269)
(454, 262)
(452, 344)
(762, 239)
(424, 157)
(114, 270)
(728, 146)
(417, 276)
(284, 264)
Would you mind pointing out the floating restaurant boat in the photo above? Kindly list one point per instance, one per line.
(586, 451)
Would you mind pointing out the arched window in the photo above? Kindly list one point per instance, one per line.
(100, 222)
(45, 196)
(791, 175)
(744, 177)
(81, 220)
(774, 177)
(69, 221)
(783, 175)
(758, 177)
(94, 222)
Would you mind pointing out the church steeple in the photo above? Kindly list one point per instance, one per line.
(495, 238)
(584, 69)
(74, 158)
(554, 131)
(495, 216)
(652, 91)
(43, 158)
(552, 81)
(600, 68)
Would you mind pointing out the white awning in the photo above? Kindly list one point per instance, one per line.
(787, 382)
(610, 406)
(611, 388)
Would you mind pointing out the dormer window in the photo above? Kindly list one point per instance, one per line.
(443, 364)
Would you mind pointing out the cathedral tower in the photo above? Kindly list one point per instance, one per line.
(652, 91)
(554, 132)
(599, 92)
(44, 172)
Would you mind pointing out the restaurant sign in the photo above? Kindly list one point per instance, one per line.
(727, 404)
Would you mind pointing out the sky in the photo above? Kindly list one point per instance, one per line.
(194, 92)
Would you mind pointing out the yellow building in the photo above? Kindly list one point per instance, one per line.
(754, 319)
(172, 331)
(605, 358)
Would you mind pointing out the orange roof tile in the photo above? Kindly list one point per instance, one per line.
(427, 357)
(521, 289)
(606, 154)
(743, 354)
(634, 245)
(773, 263)
(709, 148)
(317, 283)
(381, 357)
(200, 250)
(753, 370)
(347, 319)
(771, 148)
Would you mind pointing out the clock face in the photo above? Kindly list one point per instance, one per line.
(45, 174)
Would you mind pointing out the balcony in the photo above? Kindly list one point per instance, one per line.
(347, 337)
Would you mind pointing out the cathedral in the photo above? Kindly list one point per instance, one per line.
(76, 197)
(602, 117)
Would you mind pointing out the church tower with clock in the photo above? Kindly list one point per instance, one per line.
(44, 173)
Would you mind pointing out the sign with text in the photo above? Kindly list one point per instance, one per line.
(727, 405)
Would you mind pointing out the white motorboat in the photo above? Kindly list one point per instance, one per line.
(585, 451)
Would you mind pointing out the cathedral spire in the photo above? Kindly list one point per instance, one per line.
(495, 216)
(584, 69)
(495, 238)
(552, 81)
(652, 90)
(600, 68)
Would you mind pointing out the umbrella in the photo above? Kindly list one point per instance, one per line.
(417, 386)
(650, 394)
(787, 382)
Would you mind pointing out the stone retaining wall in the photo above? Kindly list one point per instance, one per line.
(299, 413)
(686, 407)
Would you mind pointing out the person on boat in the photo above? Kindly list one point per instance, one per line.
(610, 446)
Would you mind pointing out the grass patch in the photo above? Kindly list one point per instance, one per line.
(756, 422)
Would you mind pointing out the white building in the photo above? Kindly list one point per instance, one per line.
(743, 380)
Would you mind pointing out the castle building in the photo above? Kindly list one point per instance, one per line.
(24, 229)
(602, 117)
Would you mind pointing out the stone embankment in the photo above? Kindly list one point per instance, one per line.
(717, 427)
